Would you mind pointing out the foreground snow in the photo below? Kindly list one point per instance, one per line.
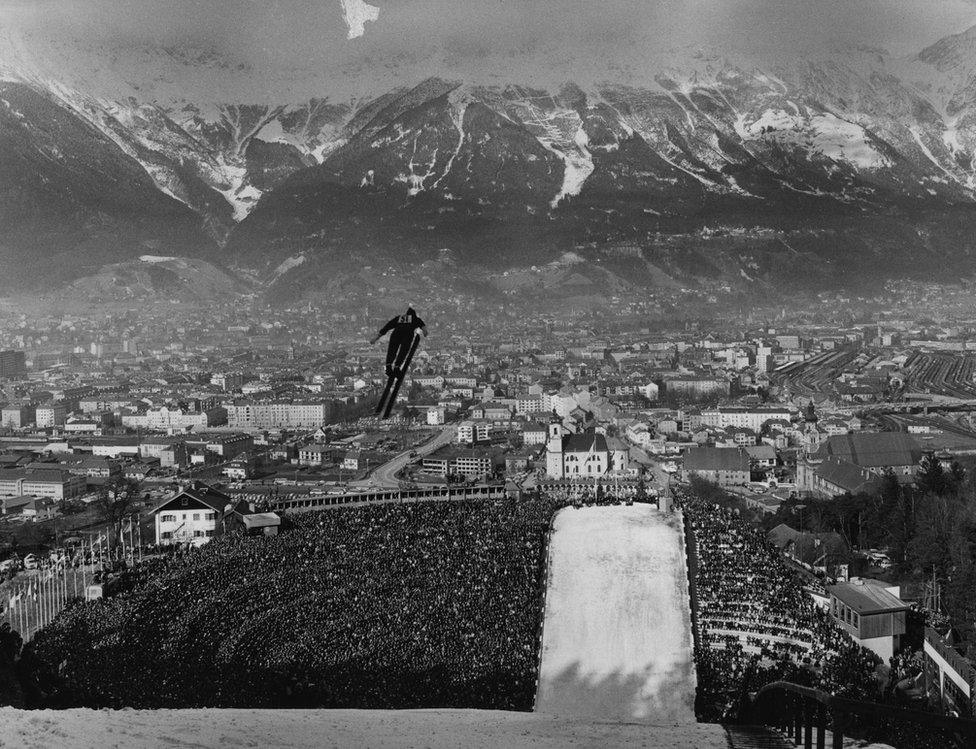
(136, 729)
(617, 641)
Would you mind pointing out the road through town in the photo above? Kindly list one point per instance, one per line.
(385, 475)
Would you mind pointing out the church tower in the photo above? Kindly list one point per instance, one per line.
(555, 464)
(811, 433)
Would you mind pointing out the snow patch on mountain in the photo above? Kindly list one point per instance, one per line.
(241, 195)
(356, 13)
(578, 166)
(950, 139)
(286, 265)
(969, 182)
(823, 133)
(846, 141)
(459, 106)
(274, 132)
(415, 180)
(577, 162)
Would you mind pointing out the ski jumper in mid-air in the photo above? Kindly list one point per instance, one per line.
(404, 333)
(402, 330)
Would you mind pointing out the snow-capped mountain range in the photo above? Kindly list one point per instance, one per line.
(845, 162)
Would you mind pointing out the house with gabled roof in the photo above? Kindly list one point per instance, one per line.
(836, 459)
(724, 466)
(191, 516)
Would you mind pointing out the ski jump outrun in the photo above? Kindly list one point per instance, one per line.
(405, 331)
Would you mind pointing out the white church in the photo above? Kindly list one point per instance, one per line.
(586, 455)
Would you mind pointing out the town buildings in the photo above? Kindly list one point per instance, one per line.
(854, 462)
(42, 482)
(278, 414)
(13, 365)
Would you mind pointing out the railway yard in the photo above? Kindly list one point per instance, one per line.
(866, 375)
(931, 395)
(816, 375)
(941, 374)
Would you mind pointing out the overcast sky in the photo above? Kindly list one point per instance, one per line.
(288, 40)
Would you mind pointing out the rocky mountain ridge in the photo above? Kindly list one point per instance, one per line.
(811, 171)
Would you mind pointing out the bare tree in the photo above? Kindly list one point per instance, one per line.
(115, 502)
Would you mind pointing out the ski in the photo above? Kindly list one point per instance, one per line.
(386, 393)
(399, 375)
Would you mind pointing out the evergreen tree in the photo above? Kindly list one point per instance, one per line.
(901, 529)
(931, 477)
(929, 546)
(959, 598)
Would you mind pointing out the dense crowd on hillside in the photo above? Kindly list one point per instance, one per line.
(394, 606)
(755, 623)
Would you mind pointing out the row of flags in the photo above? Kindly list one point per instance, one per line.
(30, 605)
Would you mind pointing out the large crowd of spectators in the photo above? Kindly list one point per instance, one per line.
(392, 606)
(754, 621)
(414, 605)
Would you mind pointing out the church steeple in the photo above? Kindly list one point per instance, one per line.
(810, 416)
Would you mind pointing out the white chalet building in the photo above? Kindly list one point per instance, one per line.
(191, 516)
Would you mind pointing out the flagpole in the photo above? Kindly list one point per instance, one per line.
(44, 601)
(84, 562)
(32, 611)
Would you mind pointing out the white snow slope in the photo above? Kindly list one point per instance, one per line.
(617, 641)
(345, 729)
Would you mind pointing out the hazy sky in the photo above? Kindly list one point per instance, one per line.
(282, 42)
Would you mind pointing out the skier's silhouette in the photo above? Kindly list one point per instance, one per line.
(402, 330)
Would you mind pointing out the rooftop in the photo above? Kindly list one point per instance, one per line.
(585, 442)
(872, 450)
(866, 598)
(847, 476)
(717, 459)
